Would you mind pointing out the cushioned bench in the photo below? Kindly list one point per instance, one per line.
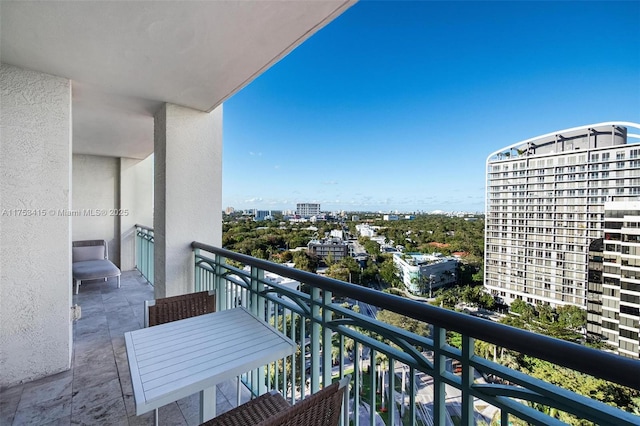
(91, 262)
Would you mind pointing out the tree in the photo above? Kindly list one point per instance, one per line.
(406, 323)
(305, 261)
(571, 317)
(388, 273)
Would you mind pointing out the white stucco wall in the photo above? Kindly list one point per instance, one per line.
(35, 241)
(96, 195)
(136, 202)
(187, 192)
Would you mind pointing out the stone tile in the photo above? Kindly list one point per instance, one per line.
(107, 413)
(229, 389)
(190, 407)
(86, 398)
(36, 392)
(9, 400)
(63, 421)
(129, 404)
(222, 405)
(90, 375)
(167, 415)
(119, 347)
(90, 354)
(118, 329)
(44, 411)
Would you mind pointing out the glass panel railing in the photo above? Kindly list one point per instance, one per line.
(144, 252)
(439, 368)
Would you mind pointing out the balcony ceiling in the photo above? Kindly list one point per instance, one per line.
(127, 58)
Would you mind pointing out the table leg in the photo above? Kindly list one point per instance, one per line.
(207, 404)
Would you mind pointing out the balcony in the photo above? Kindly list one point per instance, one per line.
(432, 382)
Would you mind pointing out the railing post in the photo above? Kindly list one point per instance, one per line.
(219, 284)
(151, 262)
(197, 272)
(467, 380)
(439, 397)
(327, 315)
(257, 308)
(315, 339)
(372, 386)
(356, 383)
(137, 249)
(391, 400)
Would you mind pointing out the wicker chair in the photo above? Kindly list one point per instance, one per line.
(323, 408)
(160, 311)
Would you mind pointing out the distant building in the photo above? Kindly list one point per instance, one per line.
(355, 218)
(545, 205)
(365, 230)
(390, 217)
(229, 210)
(613, 292)
(308, 209)
(423, 273)
(337, 248)
(261, 215)
(337, 233)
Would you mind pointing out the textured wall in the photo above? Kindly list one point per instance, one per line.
(95, 197)
(188, 192)
(35, 238)
(136, 196)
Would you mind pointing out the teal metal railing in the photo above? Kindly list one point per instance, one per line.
(144, 252)
(407, 378)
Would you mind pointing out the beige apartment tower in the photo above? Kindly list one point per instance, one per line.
(545, 200)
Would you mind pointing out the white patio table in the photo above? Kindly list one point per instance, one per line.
(177, 359)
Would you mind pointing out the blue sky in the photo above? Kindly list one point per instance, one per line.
(396, 105)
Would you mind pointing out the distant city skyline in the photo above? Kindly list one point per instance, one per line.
(396, 105)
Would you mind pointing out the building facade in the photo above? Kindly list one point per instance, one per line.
(613, 297)
(545, 206)
(423, 273)
(308, 209)
(335, 248)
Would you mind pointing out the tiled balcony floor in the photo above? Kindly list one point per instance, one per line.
(97, 390)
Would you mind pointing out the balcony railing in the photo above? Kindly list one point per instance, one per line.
(144, 252)
(411, 379)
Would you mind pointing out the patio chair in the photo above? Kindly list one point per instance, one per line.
(323, 408)
(168, 309)
(91, 262)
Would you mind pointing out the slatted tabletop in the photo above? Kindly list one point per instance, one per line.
(174, 360)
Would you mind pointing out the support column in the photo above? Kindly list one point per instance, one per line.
(136, 203)
(187, 192)
(35, 232)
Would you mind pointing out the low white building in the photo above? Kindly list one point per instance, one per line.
(422, 273)
(364, 230)
(337, 233)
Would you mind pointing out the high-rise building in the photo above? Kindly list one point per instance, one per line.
(308, 209)
(545, 206)
(613, 294)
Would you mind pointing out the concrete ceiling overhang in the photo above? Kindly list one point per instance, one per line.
(126, 58)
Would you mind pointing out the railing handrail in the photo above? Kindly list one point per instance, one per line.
(144, 227)
(597, 363)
